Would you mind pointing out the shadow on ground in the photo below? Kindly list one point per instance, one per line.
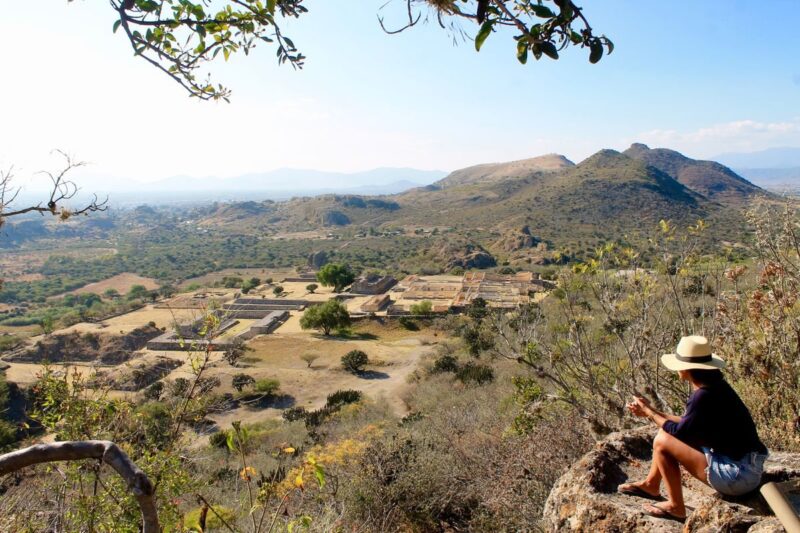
(372, 374)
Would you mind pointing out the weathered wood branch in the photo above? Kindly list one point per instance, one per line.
(108, 452)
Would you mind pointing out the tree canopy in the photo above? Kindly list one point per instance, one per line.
(179, 37)
(335, 275)
(326, 317)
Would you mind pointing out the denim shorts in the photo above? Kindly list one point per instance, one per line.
(734, 478)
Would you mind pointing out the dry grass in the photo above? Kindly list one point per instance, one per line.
(121, 283)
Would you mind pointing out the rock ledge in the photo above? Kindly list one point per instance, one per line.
(585, 498)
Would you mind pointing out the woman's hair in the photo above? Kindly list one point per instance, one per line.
(705, 377)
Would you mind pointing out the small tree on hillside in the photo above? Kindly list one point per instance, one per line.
(240, 381)
(354, 361)
(278, 290)
(309, 358)
(111, 294)
(326, 317)
(312, 287)
(335, 275)
(138, 292)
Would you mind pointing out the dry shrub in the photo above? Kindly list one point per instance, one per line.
(454, 465)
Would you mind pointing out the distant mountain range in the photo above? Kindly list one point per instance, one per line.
(512, 208)
(280, 183)
(775, 168)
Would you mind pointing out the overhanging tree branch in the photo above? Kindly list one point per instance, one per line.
(108, 452)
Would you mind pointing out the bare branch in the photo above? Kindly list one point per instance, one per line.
(61, 189)
(108, 452)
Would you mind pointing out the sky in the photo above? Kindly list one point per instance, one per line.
(703, 78)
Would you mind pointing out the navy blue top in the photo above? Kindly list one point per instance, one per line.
(717, 418)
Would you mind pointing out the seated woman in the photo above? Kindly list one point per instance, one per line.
(715, 440)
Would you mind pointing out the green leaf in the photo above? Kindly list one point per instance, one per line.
(542, 11)
(596, 53)
(483, 33)
(271, 6)
(116, 26)
(229, 441)
(550, 49)
(319, 473)
(522, 52)
(610, 46)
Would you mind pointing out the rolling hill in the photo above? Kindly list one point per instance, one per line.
(708, 178)
(496, 172)
(524, 208)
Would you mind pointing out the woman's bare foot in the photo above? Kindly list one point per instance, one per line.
(641, 489)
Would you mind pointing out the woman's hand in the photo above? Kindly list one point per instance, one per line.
(639, 406)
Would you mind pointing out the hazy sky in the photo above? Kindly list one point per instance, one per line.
(701, 77)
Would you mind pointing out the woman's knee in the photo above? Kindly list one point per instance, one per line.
(661, 440)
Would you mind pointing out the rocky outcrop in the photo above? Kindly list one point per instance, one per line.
(334, 218)
(585, 498)
(517, 239)
(317, 260)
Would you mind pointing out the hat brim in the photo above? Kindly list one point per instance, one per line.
(671, 361)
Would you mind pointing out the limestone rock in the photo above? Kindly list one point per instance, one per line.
(585, 498)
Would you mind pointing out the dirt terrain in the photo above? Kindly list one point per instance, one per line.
(122, 283)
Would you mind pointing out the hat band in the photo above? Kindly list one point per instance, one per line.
(701, 359)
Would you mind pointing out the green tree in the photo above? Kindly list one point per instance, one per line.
(278, 290)
(326, 317)
(335, 275)
(423, 308)
(311, 287)
(138, 292)
(111, 294)
(47, 324)
(354, 361)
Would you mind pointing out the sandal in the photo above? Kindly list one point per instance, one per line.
(629, 489)
(658, 512)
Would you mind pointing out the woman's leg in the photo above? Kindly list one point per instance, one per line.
(669, 454)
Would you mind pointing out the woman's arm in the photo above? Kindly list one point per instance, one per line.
(641, 407)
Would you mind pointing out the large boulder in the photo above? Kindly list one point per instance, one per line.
(585, 498)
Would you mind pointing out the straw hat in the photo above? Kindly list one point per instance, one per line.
(693, 352)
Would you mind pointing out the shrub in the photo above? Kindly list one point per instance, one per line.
(423, 308)
(219, 439)
(240, 381)
(312, 287)
(342, 397)
(475, 373)
(8, 435)
(408, 323)
(294, 413)
(154, 391)
(444, 363)
(278, 290)
(354, 361)
(267, 386)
